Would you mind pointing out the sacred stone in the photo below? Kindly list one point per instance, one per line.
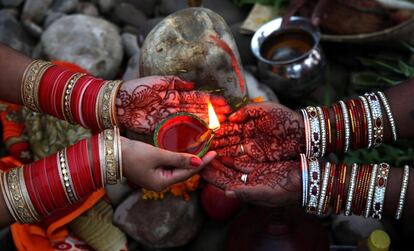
(92, 43)
(166, 223)
(197, 45)
(13, 34)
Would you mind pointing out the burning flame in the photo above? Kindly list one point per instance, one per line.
(214, 123)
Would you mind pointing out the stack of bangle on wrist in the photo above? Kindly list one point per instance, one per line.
(354, 124)
(33, 192)
(71, 96)
(364, 195)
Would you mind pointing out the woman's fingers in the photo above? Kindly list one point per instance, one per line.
(219, 175)
(177, 160)
(244, 163)
(229, 129)
(169, 177)
(258, 194)
(223, 142)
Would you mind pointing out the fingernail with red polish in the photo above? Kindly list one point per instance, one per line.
(196, 162)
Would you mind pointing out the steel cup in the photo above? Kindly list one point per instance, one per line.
(291, 70)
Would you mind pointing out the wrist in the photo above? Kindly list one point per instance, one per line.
(71, 96)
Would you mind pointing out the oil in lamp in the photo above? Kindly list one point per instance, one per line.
(185, 132)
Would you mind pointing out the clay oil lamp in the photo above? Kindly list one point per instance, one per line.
(185, 132)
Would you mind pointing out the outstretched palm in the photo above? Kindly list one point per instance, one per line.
(143, 103)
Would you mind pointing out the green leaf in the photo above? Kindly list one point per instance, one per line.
(406, 69)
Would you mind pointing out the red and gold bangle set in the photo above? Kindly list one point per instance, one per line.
(33, 192)
(365, 194)
(347, 125)
(71, 96)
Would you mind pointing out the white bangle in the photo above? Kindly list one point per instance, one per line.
(305, 179)
(380, 187)
(323, 130)
(315, 132)
(389, 115)
(324, 187)
(346, 125)
(403, 193)
(315, 177)
(307, 131)
(369, 120)
(351, 190)
(371, 191)
(377, 118)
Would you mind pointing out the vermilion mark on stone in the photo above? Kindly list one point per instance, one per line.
(234, 63)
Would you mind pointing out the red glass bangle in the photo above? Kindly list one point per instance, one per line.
(339, 126)
(341, 189)
(34, 197)
(36, 175)
(363, 120)
(85, 168)
(55, 181)
(96, 161)
(77, 97)
(330, 190)
(362, 203)
(73, 167)
(358, 189)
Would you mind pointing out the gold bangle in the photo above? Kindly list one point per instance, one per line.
(119, 151)
(101, 143)
(111, 162)
(26, 196)
(114, 95)
(16, 198)
(65, 177)
(66, 106)
(30, 84)
(106, 104)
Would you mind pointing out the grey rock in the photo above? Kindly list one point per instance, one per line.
(128, 14)
(34, 29)
(130, 44)
(13, 34)
(87, 8)
(148, 25)
(51, 17)
(35, 10)
(92, 43)
(132, 69)
(243, 43)
(196, 45)
(348, 230)
(131, 29)
(170, 222)
(116, 193)
(11, 3)
(11, 11)
(37, 51)
(65, 6)
(106, 5)
(225, 8)
(146, 6)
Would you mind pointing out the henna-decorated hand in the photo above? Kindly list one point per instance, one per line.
(155, 168)
(262, 132)
(268, 184)
(143, 103)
